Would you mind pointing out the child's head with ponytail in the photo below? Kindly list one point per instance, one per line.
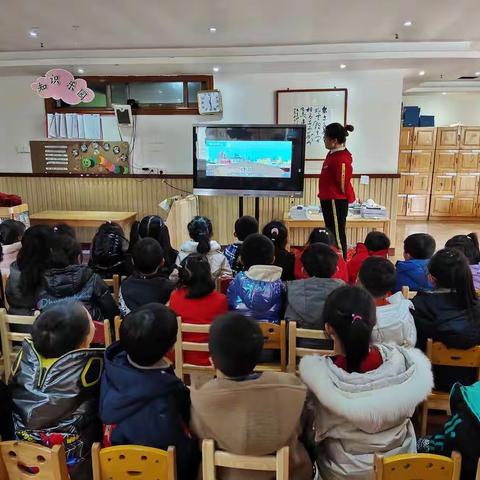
(200, 230)
(468, 245)
(277, 232)
(349, 316)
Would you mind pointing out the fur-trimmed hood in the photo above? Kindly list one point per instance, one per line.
(374, 400)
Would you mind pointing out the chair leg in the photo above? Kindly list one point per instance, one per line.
(423, 428)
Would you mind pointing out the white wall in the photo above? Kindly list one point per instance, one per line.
(448, 109)
(165, 142)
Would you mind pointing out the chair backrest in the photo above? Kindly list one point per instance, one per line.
(294, 352)
(275, 338)
(181, 346)
(408, 294)
(30, 461)
(117, 321)
(4, 290)
(212, 458)
(125, 462)
(222, 284)
(439, 354)
(114, 284)
(10, 339)
(414, 466)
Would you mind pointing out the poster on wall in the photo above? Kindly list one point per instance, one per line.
(316, 109)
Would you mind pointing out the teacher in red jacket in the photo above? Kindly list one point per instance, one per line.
(335, 189)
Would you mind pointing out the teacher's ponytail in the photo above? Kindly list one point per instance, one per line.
(338, 132)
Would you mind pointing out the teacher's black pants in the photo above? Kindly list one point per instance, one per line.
(335, 216)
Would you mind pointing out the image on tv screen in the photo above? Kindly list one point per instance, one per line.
(240, 158)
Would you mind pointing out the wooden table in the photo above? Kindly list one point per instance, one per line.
(84, 218)
(314, 221)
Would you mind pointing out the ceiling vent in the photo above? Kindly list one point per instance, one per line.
(467, 77)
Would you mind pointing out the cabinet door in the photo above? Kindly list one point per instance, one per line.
(446, 161)
(468, 161)
(465, 206)
(404, 185)
(420, 183)
(470, 137)
(406, 138)
(443, 184)
(422, 161)
(424, 137)
(404, 160)
(466, 184)
(448, 138)
(417, 205)
(402, 205)
(441, 205)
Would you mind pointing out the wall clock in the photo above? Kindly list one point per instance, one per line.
(209, 102)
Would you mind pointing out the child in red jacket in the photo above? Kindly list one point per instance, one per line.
(321, 235)
(376, 244)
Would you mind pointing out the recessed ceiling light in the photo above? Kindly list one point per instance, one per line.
(212, 29)
(444, 93)
(216, 69)
(408, 23)
(477, 73)
(342, 66)
(80, 70)
(33, 33)
(421, 73)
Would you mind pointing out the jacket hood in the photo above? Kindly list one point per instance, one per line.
(414, 269)
(361, 249)
(253, 400)
(65, 282)
(12, 248)
(191, 247)
(265, 273)
(375, 400)
(126, 389)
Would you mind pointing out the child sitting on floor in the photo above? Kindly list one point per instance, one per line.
(376, 244)
(277, 232)
(196, 301)
(413, 271)
(11, 233)
(394, 319)
(200, 230)
(321, 235)
(249, 413)
(258, 292)
(244, 227)
(55, 385)
(147, 284)
(142, 402)
(468, 245)
(450, 313)
(306, 298)
(362, 398)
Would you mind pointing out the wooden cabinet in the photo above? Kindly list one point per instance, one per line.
(424, 137)
(465, 206)
(417, 205)
(442, 205)
(406, 138)
(422, 161)
(404, 158)
(404, 183)
(448, 138)
(443, 184)
(466, 184)
(470, 137)
(468, 161)
(420, 183)
(402, 205)
(446, 161)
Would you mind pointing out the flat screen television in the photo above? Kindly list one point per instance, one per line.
(248, 160)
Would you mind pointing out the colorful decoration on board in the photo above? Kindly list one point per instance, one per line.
(60, 84)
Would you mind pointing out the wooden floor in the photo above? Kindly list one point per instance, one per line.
(439, 230)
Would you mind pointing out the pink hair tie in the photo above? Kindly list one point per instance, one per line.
(274, 230)
(356, 317)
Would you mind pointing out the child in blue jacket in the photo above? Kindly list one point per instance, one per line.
(413, 272)
(258, 292)
(142, 402)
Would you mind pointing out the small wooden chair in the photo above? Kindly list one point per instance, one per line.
(408, 294)
(275, 338)
(107, 333)
(294, 333)
(212, 458)
(117, 321)
(10, 340)
(114, 284)
(17, 458)
(477, 476)
(4, 290)
(414, 466)
(133, 461)
(439, 354)
(222, 284)
(181, 346)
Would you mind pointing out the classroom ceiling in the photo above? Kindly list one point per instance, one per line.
(172, 36)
